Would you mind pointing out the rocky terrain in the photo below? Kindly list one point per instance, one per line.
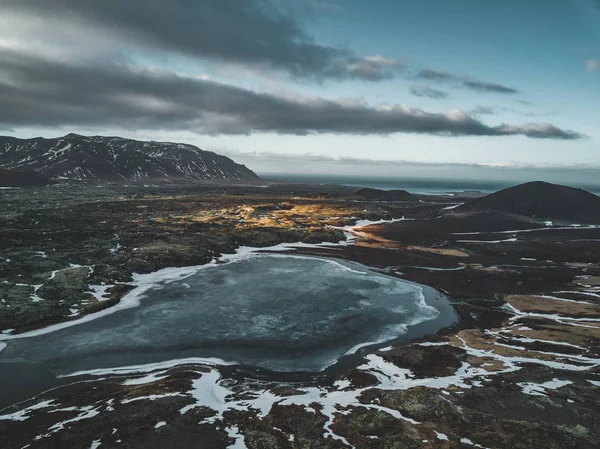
(519, 370)
(75, 157)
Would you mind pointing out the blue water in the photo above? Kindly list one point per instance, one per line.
(426, 186)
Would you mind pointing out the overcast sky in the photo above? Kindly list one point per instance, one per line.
(283, 84)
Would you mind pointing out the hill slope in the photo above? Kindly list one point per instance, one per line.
(114, 158)
(385, 195)
(13, 178)
(541, 200)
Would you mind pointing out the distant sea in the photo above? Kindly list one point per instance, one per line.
(426, 186)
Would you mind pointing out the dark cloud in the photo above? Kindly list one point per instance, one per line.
(481, 86)
(436, 75)
(426, 91)
(258, 33)
(488, 110)
(468, 83)
(41, 91)
(483, 110)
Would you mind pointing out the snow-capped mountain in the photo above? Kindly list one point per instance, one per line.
(113, 158)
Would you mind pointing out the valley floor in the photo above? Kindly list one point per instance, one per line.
(520, 369)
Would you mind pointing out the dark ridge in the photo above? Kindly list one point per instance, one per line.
(540, 200)
(14, 178)
(385, 195)
(98, 158)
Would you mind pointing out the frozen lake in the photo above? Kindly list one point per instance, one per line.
(277, 312)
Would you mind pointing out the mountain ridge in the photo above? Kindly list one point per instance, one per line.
(77, 157)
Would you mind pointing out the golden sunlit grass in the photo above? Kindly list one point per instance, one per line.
(440, 251)
(478, 339)
(532, 303)
(269, 215)
(550, 330)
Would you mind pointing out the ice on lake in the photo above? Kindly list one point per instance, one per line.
(282, 313)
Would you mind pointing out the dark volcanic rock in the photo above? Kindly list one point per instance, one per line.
(540, 200)
(113, 158)
(15, 178)
(365, 428)
(385, 195)
(426, 361)
(419, 403)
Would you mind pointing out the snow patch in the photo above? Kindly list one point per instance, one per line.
(146, 379)
(440, 436)
(534, 389)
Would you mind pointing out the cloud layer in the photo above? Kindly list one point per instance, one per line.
(66, 63)
(257, 33)
(426, 91)
(266, 35)
(466, 82)
(38, 90)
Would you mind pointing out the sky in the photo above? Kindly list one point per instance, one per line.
(350, 86)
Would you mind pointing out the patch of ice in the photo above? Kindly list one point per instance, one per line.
(100, 291)
(534, 389)
(23, 414)
(150, 367)
(71, 266)
(34, 297)
(146, 379)
(209, 393)
(469, 442)
(551, 317)
(515, 231)
(150, 397)
(453, 207)
(96, 444)
(364, 223)
(158, 425)
(114, 250)
(440, 436)
(557, 298)
(487, 241)
(342, 384)
(234, 432)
